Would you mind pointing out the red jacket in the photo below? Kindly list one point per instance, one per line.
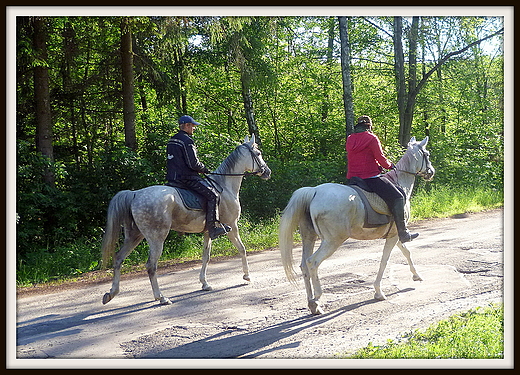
(365, 155)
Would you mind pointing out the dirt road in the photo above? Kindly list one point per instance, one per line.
(461, 260)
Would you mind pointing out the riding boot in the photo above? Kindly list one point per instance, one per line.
(400, 222)
(211, 221)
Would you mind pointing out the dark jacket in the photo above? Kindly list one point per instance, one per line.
(182, 161)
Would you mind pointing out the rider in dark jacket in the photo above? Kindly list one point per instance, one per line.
(183, 167)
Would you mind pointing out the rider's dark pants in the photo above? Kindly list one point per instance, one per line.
(385, 189)
(199, 185)
(395, 201)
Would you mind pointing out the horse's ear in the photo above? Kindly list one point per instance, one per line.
(413, 140)
(424, 142)
(252, 139)
(246, 139)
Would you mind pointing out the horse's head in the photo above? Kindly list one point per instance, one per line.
(258, 165)
(423, 166)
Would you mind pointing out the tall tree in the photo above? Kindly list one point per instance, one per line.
(345, 73)
(44, 136)
(326, 81)
(244, 38)
(407, 91)
(127, 68)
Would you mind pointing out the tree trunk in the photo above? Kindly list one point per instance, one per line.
(399, 74)
(248, 107)
(44, 137)
(345, 72)
(405, 129)
(127, 62)
(325, 106)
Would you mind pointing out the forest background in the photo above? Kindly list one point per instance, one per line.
(97, 98)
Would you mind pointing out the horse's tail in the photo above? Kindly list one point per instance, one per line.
(297, 210)
(119, 214)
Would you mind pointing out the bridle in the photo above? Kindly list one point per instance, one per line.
(424, 163)
(255, 159)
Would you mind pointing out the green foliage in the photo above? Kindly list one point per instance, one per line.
(52, 216)
(196, 66)
(475, 334)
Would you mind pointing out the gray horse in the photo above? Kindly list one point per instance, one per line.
(335, 212)
(155, 210)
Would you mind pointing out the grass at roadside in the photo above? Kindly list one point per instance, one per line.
(475, 334)
(445, 201)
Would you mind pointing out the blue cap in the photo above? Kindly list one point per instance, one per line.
(186, 120)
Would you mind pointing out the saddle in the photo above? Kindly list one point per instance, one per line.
(191, 200)
(377, 212)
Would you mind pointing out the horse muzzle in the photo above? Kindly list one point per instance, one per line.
(264, 173)
(428, 174)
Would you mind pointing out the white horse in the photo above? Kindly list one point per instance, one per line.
(155, 210)
(335, 212)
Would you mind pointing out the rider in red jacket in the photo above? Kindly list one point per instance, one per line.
(365, 155)
(366, 161)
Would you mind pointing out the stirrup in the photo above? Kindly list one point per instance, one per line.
(217, 231)
(226, 227)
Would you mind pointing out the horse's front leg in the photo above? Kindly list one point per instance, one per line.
(206, 253)
(389, 245)
(235, 239)
(408, 256)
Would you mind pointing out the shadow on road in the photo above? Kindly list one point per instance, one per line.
(50, 325)
(251, 344)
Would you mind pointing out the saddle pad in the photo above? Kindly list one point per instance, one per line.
(377, 212)
(377, 203)
(190, 199)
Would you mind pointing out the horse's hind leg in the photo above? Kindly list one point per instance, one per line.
(387, 249)
(132, 238)
(406, 253)
(308, 236)
(326, 249)
(156, 248)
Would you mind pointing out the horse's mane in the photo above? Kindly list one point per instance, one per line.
(229, 163)
(401, 163)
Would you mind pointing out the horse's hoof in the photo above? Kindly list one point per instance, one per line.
(380, 296)
(247, 278)
(207, 288)
(165, 301)
(106, 298)
(315, 308)
(417, 278)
